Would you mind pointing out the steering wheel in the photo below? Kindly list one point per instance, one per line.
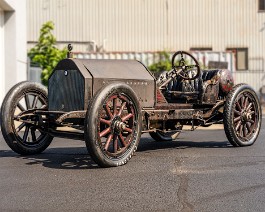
(187, 72)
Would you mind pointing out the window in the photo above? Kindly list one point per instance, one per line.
(261, 5)
(241, 57)
(201, 48)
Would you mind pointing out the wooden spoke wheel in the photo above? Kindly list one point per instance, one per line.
(242, 116)
(116, 125)
(112, 129)
(19, 131)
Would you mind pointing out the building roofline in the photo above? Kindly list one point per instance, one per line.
(6, 5)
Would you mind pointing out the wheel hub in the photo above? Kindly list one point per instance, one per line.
(245, 116)
(117, 125)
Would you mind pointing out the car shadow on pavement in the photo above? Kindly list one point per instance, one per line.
(79, 158)
(57, 158)
(149, 144)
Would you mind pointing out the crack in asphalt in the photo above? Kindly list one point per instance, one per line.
(183, 188)
(183, 174)
(231, 193)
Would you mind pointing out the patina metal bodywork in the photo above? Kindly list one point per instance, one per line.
(74, 82)
(111, 102)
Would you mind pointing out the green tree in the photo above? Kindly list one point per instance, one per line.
(164, 64)
(45, 53)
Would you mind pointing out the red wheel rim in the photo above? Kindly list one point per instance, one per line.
(116, 125)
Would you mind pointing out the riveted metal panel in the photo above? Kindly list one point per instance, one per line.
(117, 69)
(130, 72)
(75, 81)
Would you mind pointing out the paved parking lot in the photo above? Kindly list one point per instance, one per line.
(199, 172)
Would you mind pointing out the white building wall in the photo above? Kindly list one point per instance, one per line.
(2, 65)
(156, 25)
(151, 25)
(13, 51)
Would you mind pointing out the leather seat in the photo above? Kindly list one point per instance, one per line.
(208, 74)
(178, 84)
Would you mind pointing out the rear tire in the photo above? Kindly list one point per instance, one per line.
(242, 116)
(22, 97)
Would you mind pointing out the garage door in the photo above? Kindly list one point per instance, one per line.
(2, 76)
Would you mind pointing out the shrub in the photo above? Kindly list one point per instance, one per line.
(45, 53)
(164, 64)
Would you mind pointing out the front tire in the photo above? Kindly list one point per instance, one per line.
(242, 116)
(113, 125)
(22, 137)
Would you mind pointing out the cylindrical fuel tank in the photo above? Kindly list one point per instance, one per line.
(226, 80)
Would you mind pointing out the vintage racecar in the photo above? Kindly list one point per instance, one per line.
(110, 103)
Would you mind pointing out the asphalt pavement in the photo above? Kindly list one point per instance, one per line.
(200, 171)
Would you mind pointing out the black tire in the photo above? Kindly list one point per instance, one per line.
(112, 136)
(21, 97)
(159, 136)
(242, 116)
